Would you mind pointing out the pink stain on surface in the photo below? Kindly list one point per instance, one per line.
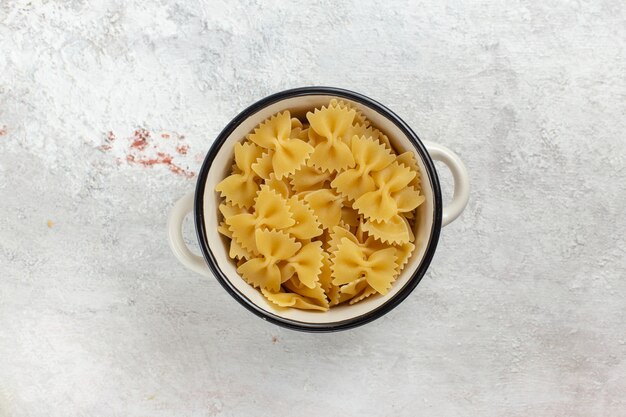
(3, 131)
(148, 149)
(140, 139)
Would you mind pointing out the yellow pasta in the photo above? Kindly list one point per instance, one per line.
(235, 251)
(270, 211)
(310, 179)
(316, 293)
(326, 204)
(394, 230)
(403, 253)
(359, 117)
(349, 217)
(332, 123)
(354, 287)
(370, 156)
(263, 165)
(275, 134)
(391, 194)
(366, 292)
(282, 187)
(306, 224)
(317, 213)
(284, 299)
(273, 246)
(370, 132)
(351, 263)
(325, 278)
(408, 159)
(241, 187)
(306, 265)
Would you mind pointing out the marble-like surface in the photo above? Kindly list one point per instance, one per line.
(522, 312)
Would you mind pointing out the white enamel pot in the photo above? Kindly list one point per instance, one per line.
(204, 202)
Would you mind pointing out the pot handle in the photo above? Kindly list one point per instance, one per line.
(175, 219)
(461, 180)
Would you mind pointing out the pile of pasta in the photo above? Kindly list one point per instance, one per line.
(319, 213)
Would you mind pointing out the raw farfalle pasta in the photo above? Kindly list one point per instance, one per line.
(273, 246)
(391, 194)
(306, 265)
(270, 211)
(332, 151)
(289, 152)
(326, 204)
(240, 188)
(307, 178)
(370, 156)
(306, 224)
(319, 211)
(352, 263)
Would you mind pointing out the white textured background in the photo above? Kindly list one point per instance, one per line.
(522, 312)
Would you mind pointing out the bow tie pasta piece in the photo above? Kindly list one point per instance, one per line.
(393, 231)
(368, 244)
(332, 123)
(369, 132)
(408, 159)
(314, 140)
(336, 235)
(309, 179)
(299, 132)
(370, 156)
(350, 263)
(306, 265)
(282, 187)
(295, 124)
(334, 295)
(289, 153)
(283, 299)
(367, 291)
(382, 138)
(403, 252)
(229, 210)
(223, 230)
(316, 293)
(408, 199)
(240, 188)
(339, 295)
(359, 117)
(380, 204)
(354, 287)
(325, 278)
(236, 251)
(326, 205)
(263, 165)
(306, 225)
(356, 291)
(270, 211)
(273, 246)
